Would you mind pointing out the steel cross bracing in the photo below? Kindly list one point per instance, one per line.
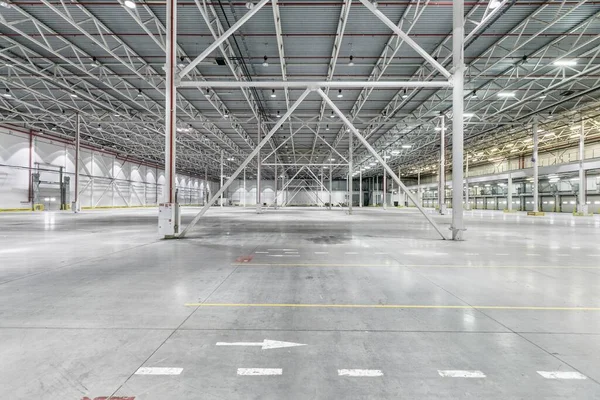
(217, 30)
(335, 51)
(50, 41)
(584, 43)
(57, 97)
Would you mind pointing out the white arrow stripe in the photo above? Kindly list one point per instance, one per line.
(259, 371)
(457, 373)
(240, 344)
(158, 371)
(561, 375)
(360, 372)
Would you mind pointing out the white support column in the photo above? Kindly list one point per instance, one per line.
(330, 187)
(76, 206)
(276, 179)
(534, 160)
(169, 216)
(360, 191)
(376, 190)
(221, 181)
(258, 164)
(458, 33)
(583, 208)
(419, 188)
(245, 193)
(509, 194)
(442, 189)
(350, 189)
(384, 187)
(467, 201)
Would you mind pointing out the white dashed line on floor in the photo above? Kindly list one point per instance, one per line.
(561, 375)
(458, 373)
(360, 372)
(259, 371)
(158, 371)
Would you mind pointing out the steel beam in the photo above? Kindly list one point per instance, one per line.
(458, 226)
(253, 154)
(378, 158)
(314, 84)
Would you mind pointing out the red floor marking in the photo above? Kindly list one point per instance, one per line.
(244, 259)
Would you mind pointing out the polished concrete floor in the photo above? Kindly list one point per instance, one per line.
(94, 305)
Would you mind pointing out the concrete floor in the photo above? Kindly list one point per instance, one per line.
(87, 300)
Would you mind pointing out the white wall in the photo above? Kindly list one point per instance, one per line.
(105, 180)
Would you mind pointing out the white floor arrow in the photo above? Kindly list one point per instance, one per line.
(266, 344)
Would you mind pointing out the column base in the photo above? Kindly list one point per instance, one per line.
(75, 206)
(169, 220)
(536, 213)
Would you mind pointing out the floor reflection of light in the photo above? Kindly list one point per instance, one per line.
(49, 220)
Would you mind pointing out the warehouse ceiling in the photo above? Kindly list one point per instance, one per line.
(105, 60)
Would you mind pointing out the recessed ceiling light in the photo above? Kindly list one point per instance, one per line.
(565, 63)
(129, 4)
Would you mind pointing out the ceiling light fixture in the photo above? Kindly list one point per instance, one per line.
(74, 95)
(340, 95)
(332, 114)
(273, 94)
(129, 4)
(139, 93)
(226, 115)
(94, 62)
(506, 94)
(468, 115)
(351, 62)
(5, 4)
(266, 61)
(493, 4)
(7, 93)
(327, 128)
(474, 94)
(404, 95)
(565, 63)
(207, 93)
(278, 115)
(406, 146)
(438, 128)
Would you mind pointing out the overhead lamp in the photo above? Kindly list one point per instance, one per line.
(506, 94)
(565, 63)
(372, 164)
(327, 127)
(139, 93)
(332, 159)
(278, 115)
(340, 95)
(207, 93)
(406, 146)
(438, 128)
(73, 95)
(266, 61)
(273, 94)
(404, 95)
(493, 4)
(386, 157)
(99, 127)
(542, 96)
(468, 115)
(367, 167)
(395, 152)
(7, 93)
(226, 115)
(332, 114)
(181, 62)
(474, 94)
(351, 62)
(129, 4)
(94, 62)
(5, 4)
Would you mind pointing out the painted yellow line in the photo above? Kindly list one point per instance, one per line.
(252, 264)
(393, 306)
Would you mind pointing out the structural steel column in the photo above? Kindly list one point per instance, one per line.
(583, 208)
(330, 186)
(376, 189)
(171, 103)
(442, 189)
(384, 188)
(258, 203)
(75, 206)
(244, 187)
(221, 184)
(534, 160)
(509, 193)
(350, 190)
(360, 194)
(467, 201)
(419, 188)
(458, 33)
(276, 179)
(400, 196)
